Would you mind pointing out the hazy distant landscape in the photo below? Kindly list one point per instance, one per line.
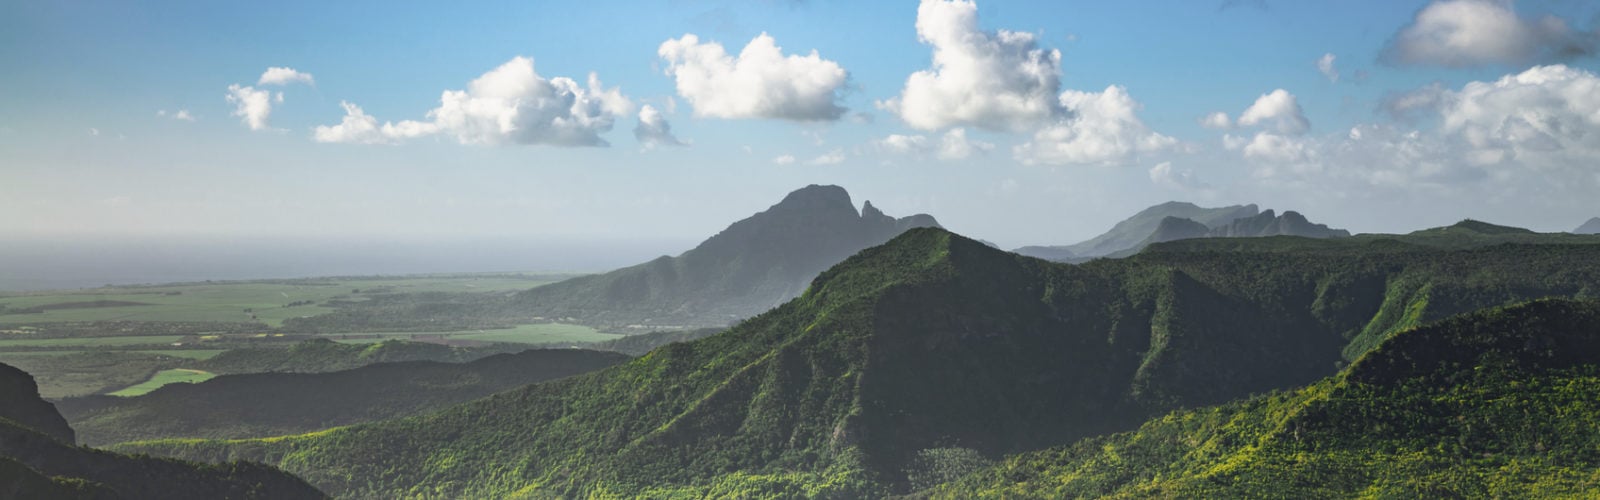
(932, 249)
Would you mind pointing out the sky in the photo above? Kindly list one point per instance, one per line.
(657, 123)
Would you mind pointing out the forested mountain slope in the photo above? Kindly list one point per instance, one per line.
(930, 342)
(38, 465)
(1494, 404)
(271, 404)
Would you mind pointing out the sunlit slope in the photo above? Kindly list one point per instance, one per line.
(930, 341)
(1495, 404)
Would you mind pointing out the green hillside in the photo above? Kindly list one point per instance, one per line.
(930, 350)
(270, 404)
(1494, 404)
(34, 464)
(322, 355)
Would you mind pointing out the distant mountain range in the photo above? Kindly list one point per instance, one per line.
(1591, 227)
(750, 267)
(1174, 221)
(931, 356)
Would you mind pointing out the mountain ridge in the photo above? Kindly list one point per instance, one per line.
(890, 355)
(752, 265)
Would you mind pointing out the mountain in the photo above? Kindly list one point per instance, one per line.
(39, 463)
(1591, 227)
(270, 404)
(1492, 404)
(930, 349)
(1134, 230)
(753, 265)
(1267, 223)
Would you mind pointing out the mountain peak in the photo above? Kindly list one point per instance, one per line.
(1481, 227)
(816, 197)
(1591, 227)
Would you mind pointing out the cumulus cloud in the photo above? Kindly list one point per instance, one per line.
(1461, 33)
(653, 129)
(1162, 174)
(953, 145)
(761, 82)
(252, 106)
(181, 115)
(1325, 66)
(996, 80)
(1099, 128)
(356, 128)
(1529, 133)
(511, 104)
(284, 76)
(1217, 120)
(784, 160)
(1544, 113)
(1278, 110)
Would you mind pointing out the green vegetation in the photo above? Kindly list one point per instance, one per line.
(269, 404)
(164, 377)
(909, 362)
(638, 345)
(1495, 404)
(85, 373)
(153, 340)
(322, 355)
(37, 460)
(268, 302)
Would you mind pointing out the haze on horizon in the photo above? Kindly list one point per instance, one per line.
(654, 126)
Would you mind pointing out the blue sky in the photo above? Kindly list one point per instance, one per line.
(89, 142)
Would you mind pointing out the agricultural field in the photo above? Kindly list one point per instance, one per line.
(268, 302)
(164, 377)
(539, 334)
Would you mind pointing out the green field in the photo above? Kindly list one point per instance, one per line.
(226, 301)
(164, 377)
(544, 333)
(92, 341)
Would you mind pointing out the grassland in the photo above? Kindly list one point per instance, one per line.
(164, 377)
(267, 302)
(538, 334)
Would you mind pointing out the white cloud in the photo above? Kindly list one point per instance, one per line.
(1100, 128)
(1217, 120)
(356, 128)
(1278, 110)
(1278, 148)
(1460, 33)
(1325, 66)
(1525, 134)
(1162, 174)
(834, 157)
(284, 76)
(182, 115)
(653, 129)
(784, 160)
(953, 145)
(252, 106)
(760, 83)
(996, 80)
(1544, 115)
(94, 131)
(511, 104)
